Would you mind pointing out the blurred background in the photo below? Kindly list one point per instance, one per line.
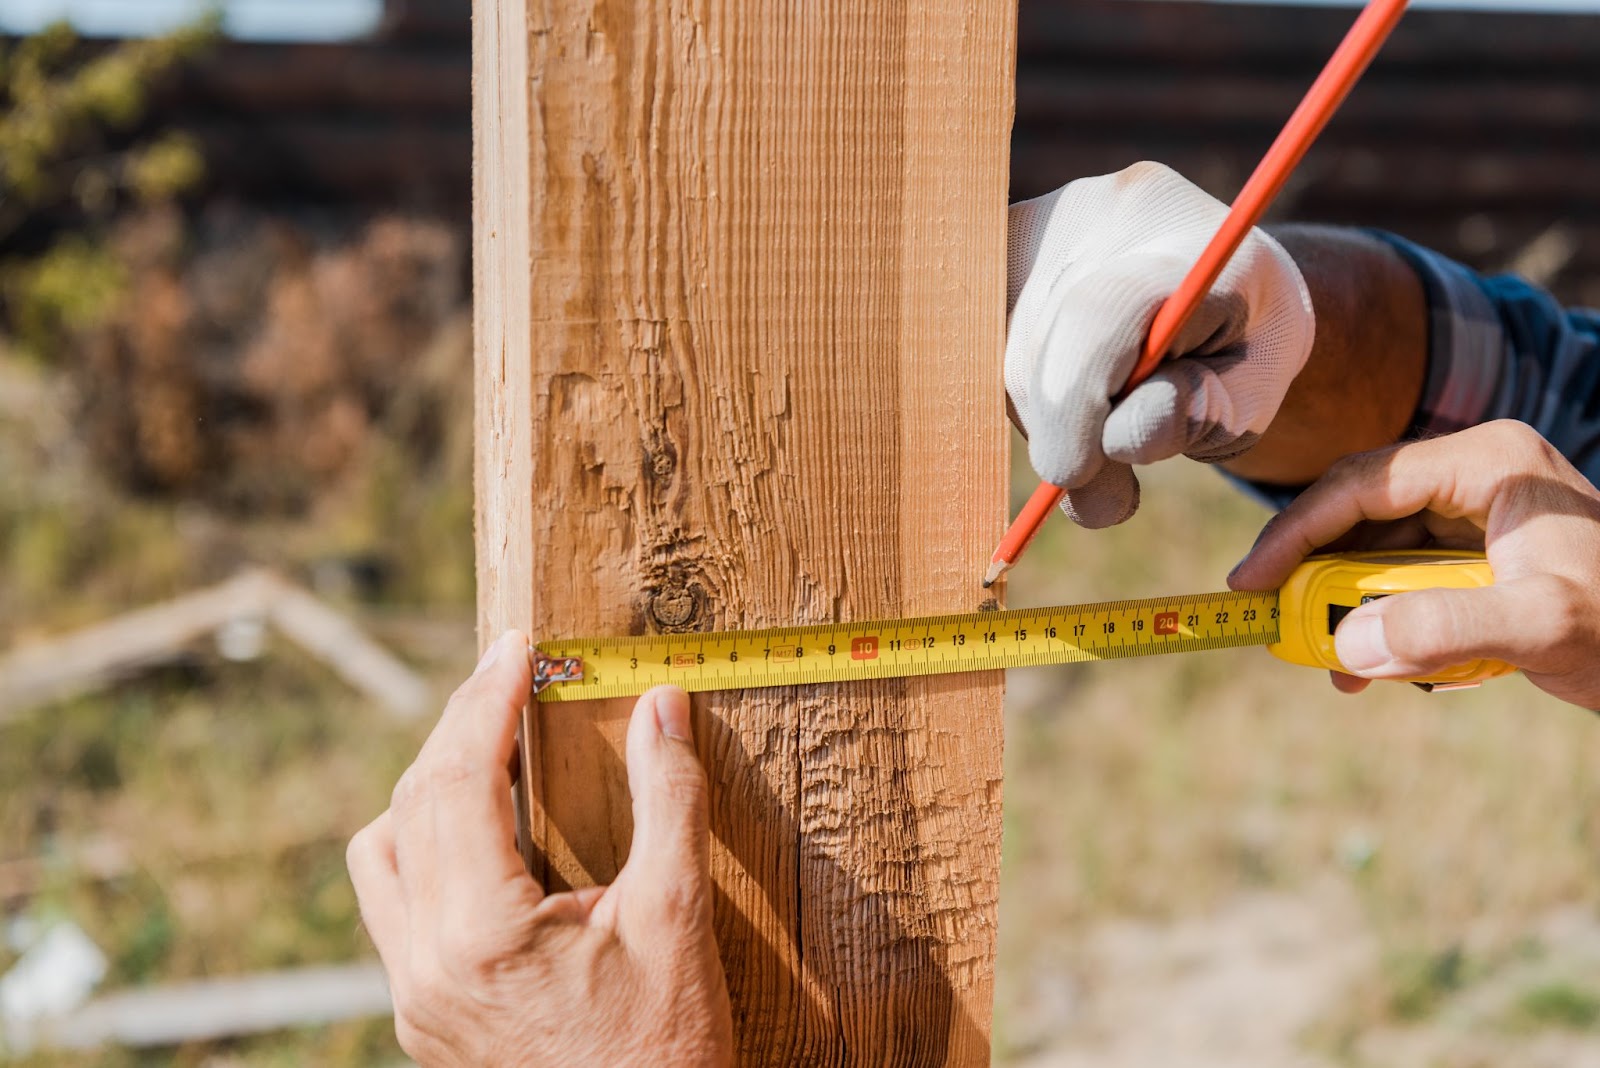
(235, 396)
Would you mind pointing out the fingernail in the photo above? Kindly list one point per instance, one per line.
(1361, 643)
(672, 714)
(491, 654)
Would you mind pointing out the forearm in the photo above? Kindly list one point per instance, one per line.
(1360, 387)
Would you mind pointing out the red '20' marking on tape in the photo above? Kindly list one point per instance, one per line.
(864, 648)
(1167, 623)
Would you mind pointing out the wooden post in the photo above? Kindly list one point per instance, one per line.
(740, 309)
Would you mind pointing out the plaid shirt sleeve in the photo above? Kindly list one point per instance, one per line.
(1499, 348)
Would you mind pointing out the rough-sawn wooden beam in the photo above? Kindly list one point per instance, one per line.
(740, 308)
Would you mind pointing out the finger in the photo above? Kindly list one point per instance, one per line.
(1412, 532)
(370, 858)
(473, 811)
(454, 822)
(1110, 498)
(485, 711)
(1325, 512)
(1016, 417)
(1348, 683)
(1182, 408)
(1453, 476)
(1410, 635)
(666, 880)
(1409, 533)
(1028, 226)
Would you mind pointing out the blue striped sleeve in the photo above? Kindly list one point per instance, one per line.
(1502, 348)
(1467, 354)
(1499, 348)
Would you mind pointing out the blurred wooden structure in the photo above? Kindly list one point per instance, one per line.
(98, 656)
(214, 1009)
(1478, 133)
(1473, 132)
(381, 123)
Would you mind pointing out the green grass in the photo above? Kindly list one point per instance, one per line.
(1419, 982)
(1559, 1004)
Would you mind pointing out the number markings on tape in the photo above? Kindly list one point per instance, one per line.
(932, 645)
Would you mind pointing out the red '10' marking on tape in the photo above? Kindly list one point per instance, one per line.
(1167, 623)
(864, 648)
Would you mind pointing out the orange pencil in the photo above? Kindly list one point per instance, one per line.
(1351, 58)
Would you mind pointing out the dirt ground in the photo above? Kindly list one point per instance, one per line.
(1259, 983)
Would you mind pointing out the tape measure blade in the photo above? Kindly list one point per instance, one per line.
(902, 648)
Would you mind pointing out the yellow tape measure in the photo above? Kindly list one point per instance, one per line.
(1296, 623)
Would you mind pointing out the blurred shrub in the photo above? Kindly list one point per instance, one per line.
(291, 387)
(1419, 982)
(255, 361)
(64, 290)
(1558, 1003)
(66, 167)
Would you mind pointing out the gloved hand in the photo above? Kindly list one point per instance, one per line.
(1089, 265)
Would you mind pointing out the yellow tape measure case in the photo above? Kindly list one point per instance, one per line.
(1325, 589)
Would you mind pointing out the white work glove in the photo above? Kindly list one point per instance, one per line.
(1089, 265)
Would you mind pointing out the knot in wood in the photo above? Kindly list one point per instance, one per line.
(675, 606)
(660, 458)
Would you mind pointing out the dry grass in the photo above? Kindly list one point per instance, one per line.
(233, 794)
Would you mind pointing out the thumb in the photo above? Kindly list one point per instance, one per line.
(1415, 634)
(1111, 497)
(667, 876)
(1185, 407)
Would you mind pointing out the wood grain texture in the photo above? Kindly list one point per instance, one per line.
(740, 270)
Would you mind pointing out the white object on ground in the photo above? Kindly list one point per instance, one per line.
(54, 977)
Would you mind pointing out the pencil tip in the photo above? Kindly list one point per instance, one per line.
(996, 569)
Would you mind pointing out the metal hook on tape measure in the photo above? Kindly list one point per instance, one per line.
(548, 669)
